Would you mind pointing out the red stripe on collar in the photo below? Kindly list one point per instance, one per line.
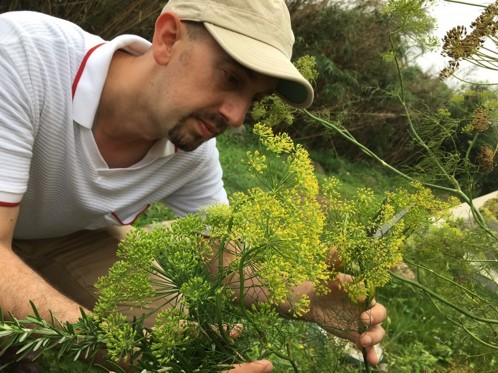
(82, 68)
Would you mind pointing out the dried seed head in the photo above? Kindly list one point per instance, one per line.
(485, 159)
(480, 122)
(458, 44)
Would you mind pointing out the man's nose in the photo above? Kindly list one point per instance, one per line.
(234, 110)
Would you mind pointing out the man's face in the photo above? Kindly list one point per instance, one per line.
(211, 92)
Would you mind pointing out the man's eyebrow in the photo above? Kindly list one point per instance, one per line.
(251, 74)
(230, 61)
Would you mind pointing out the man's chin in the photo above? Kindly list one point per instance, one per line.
(186, 142)
(188, 147)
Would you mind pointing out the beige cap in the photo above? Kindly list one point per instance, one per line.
(255, 33)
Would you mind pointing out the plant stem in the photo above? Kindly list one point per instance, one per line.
(368, 302)
(345, 133)
(453, 283)
(242, 266)
(464, 3)
(460, 325)
(443, 300)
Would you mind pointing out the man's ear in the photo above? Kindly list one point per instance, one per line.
(167, 32)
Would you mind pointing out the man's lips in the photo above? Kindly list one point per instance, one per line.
(207, 130)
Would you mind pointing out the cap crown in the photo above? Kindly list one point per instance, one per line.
(265, 20)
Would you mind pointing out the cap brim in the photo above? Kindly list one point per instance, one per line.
(260, 57)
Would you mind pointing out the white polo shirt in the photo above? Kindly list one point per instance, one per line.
(49, 162)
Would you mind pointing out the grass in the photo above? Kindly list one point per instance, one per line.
(233, 147)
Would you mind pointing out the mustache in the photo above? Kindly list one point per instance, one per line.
(215, 120)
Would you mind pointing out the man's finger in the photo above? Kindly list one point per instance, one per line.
(373, 316)
(236, 331)
(372, 357)
(372, 337)
(260, 366)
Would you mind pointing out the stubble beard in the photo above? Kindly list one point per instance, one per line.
(182, 140)
(187, 140)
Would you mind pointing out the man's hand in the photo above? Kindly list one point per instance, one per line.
(338, 315)
(334, 312)
(260, 366)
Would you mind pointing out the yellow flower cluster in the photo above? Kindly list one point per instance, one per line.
(257, 161)
(276, 144)
(279, 230)
(307, 67)
(370, 234)
(171, 334)
(304, 172)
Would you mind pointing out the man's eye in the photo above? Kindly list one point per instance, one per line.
(258, 98)
(255, 101)
(231, 78)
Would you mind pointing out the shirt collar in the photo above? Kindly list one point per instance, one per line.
(92, 78)
(89, 89)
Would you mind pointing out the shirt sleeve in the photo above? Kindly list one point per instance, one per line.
(17, 123)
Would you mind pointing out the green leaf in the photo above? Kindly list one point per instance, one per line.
(6, 343)
(76, 357)
(39, 344)
(24, 350)
(35, 310)
(24, 336)
(4, 333)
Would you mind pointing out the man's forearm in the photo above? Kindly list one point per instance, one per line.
(19, 284)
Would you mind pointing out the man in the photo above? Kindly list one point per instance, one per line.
(92, 132)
